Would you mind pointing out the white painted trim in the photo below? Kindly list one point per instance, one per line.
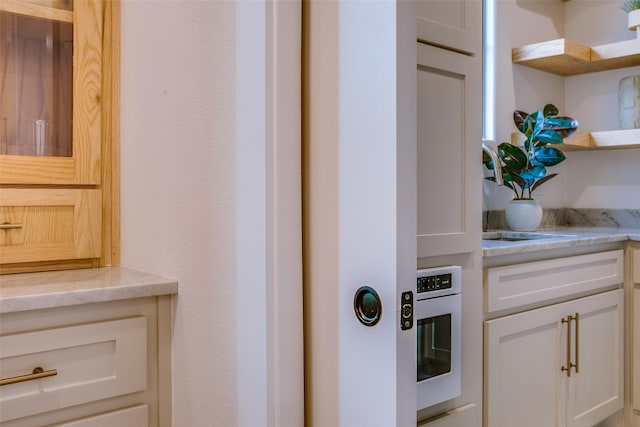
(251, 227)
(284, 214)
(269, 268)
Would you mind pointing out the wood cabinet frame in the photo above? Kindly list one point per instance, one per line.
(96, 132)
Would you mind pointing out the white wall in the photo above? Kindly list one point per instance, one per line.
(599, 179)
(203, 135)
(178, 186)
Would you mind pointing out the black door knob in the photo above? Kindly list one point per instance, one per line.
(367, 306)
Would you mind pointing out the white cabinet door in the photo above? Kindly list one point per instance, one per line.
(523, 356)
(449, 146)
(456, 24)
(596, 391)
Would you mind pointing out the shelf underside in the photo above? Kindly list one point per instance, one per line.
(582, 141)
(567, 58)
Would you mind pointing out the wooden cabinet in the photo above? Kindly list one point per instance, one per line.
(449, 144)
(527, 354)
(49, 224)
(454, 24)
(57, 133)
(100, 362)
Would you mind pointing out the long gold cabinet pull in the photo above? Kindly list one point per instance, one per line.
(577, 344)
(577, 319)
(37, 373)
(9, 226)
(568, 367)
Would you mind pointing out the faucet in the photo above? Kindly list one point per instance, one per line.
(497, 167)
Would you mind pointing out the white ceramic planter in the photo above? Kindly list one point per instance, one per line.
(633, 21)
(523, 215)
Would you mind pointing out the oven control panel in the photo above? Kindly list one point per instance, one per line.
(439, 281)
(434, 283)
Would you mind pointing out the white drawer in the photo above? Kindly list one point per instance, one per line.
(130, 417)
(528, 283)
(92, 362)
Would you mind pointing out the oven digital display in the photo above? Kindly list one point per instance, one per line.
(434, 283)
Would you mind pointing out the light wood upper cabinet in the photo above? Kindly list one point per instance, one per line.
(453, 24)
(50, 109)
(57, 133)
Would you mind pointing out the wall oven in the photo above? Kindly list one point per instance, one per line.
(438, 317)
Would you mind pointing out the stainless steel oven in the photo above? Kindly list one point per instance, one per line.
(438, 317)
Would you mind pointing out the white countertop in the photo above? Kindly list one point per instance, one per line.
(32, 291)
(566, 237)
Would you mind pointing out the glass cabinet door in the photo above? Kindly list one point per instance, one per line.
(37, 77)
(50, 91)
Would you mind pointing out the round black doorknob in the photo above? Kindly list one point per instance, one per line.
(367, 305)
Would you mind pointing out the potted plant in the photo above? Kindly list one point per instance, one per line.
(524, 169)
(632, 7)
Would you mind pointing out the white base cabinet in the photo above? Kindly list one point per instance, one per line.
(527, 354)
(104, 363)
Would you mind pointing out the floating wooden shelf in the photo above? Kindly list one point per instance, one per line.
(582, 141)
(567, 58)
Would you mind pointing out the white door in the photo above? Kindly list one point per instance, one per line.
(596, 391)
(360, 210)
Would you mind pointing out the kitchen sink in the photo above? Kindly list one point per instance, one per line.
(517, 236)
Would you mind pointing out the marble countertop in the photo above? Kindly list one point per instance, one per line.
(561, 237)
(31, 291)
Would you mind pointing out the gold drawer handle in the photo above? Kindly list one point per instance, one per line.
(9, 226)
(36, 374)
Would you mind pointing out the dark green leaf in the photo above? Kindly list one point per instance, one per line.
(486, 160)
(549, 137)
(542, 181)
(538, 172)
(528, 178)
(512, 156)
(550, 110)
(519, 118)
(537, 120)
(515, 177)
(565, 126)
(547, 156)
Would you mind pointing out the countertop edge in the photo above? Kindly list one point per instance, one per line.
(579, 237)
(34, 291)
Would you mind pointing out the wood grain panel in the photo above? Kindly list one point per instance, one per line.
(51, 224)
